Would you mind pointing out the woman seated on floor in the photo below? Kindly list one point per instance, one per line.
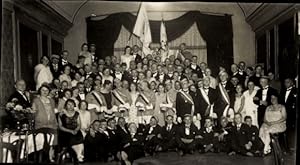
(274, 122)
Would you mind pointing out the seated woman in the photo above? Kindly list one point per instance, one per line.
(132, 145)
(274, 122)
(44, 114)
(85, 117)
(69, 129)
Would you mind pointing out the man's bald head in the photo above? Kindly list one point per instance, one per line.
(20, 85)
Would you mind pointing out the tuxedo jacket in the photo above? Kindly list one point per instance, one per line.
(196, 98)
(290, 104)
(208, 137)
(255, 80)
(138, 58)
(127, 76)
(137, 140)
(181, 132)
(114, 140)
(241, 78)
(156, 130)
(121, 133)
(79, 99)
(253, 134)
(220, 103)
(114, 75)
(58, 72)
(168, 135)
(183, 106)
(240, 137)
(270, 92)
(212, 96)
(21, 100)
(197, 70)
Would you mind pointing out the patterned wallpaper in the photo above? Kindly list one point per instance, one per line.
(7, 58)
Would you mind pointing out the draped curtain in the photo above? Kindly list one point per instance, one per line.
(215, 30)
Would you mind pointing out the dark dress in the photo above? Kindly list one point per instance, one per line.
(66, 138)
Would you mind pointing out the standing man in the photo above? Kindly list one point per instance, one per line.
(263, 98)
(55, 66)
(93, 53)
(136, 54)
(288, 98)
(184, 102)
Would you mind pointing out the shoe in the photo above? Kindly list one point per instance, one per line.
(249, 154)
(232, 153)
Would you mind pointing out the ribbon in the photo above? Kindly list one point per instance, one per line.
(190, 100)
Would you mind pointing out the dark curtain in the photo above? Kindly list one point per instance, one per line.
(215, 30)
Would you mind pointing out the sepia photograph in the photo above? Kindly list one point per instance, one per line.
(98, 82)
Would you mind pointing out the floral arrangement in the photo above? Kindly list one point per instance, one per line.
(18, 111)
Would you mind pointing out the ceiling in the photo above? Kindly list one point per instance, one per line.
(70, 8)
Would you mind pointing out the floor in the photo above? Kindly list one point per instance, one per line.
(172, 158)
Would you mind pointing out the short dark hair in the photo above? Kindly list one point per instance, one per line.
(71, 101)
(43, 86)
(247, 117)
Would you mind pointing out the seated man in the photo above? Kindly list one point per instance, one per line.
(255, 143)
(224, 135)
(114, 140)
(239, 138)
(186, 136)
(153, 136)
(209, 136)
(168, 134)
(132, 145)
(91, 140)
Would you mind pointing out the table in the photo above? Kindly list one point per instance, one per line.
(10, 137)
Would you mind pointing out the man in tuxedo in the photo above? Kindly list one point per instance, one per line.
(239, 138)
(114, 140)
(288, 98)
(19, 97)
(135, 53)
(104, 140)
(93, 53)
(241, 76)
(81, 91)
(184, 102)
(207, 97)
(63, 60)
(121, 129)
(225, 95)
(87, 86)
(203, 67)
(55, 66)
(153, 136)
(88, 71)
(187, 136)
(180, 71)
(117, 73)
(168, 133)
(21, 94)
(161, 76)
(242, 68)
(263, 98)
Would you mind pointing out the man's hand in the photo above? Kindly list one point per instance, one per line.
(179, 120)
(263, 103)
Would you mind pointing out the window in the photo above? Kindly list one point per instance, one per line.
(28, 54)
(261, 56)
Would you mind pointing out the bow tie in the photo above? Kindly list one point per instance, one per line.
(187, 126)
(206, 88)
(118, 73)
(288, 89)
(265, 88)
(224, 83)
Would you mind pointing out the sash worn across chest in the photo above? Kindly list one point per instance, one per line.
(190, 99)
(144, 98)
(118, 96)
(98, 98)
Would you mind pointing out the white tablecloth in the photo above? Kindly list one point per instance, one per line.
(11, 137)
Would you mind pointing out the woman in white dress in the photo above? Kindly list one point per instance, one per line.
(133, 109)
(249, 108)
(239, 99)
(42, 73)
(85, 52)
(274, 122)
(161, 98)
(66, 75)
(127, 57)
(85, 117)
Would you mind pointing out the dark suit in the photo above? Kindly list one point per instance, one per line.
(135, 149)
(255, 80)
(183, 106)
(138, 58)
(253, 136)
(197, 70)
(224, 145)
(239, 138)
(240, 77)
(208, 137)
(212, 96)
(151, 144)
(262, 108)
(168, 137)
(220, 103)
(113, 142)
(25, 103)
(291, 110)
(96, 148)
(186, 147)
(56, 71)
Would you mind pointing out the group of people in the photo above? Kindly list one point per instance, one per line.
(137, 105)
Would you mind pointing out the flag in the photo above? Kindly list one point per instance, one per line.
(142, 29)
(163, 34)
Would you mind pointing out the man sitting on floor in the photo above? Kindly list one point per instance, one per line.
(168, 134)
(209, 136)
(153, 136)
(255, 144)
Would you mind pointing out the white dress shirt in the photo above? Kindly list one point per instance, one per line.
(264, 93)
(287, 93)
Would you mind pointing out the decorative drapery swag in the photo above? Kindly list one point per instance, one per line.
(215, 30)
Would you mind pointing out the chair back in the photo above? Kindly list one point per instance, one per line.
(14, 148)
